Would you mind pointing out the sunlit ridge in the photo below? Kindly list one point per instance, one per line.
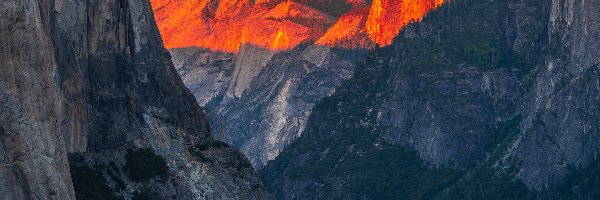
(226, 25)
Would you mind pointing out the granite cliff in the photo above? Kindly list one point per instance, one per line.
(92, 107)
(259, 67)
(258, 100)
(482, 100)
(227, 25)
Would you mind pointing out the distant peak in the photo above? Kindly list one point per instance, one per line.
(225, 25)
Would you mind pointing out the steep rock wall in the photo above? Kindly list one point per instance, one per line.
(101, 86)
(130, 96)
(564, 108)
(455, 112)
(258, 100)
(33, 159)
(508, 109)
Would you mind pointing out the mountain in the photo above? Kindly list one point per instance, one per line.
(259, 100)
(481, 100)
(259, 69)
(91, 107)
(226, 25)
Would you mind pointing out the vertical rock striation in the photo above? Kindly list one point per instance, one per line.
(261, 115)
(33, 157)
(92, 78)
(561, 125)
(258, 100)
(483, 100)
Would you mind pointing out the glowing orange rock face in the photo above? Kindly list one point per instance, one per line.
(387, 17)
(349, 31)
(225, 25)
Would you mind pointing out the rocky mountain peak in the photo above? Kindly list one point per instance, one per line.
(284, 24)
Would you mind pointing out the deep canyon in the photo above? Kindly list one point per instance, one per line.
(401, 99)
(259, 67)
(299, 99)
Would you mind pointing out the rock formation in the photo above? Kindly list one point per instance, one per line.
(226, 25)
(258, 100)
(242, 66)
(482, 100)
(92, 80)
(33, 155)
(560, 127)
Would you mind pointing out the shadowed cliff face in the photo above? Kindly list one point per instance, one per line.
(482, 100)
(259, 67)
(561, 127)
(92, 78)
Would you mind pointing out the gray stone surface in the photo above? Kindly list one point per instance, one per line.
(33, 157)
(562, 124)
(447, 116)
(259, 100)
(447, 112)
(92, 79)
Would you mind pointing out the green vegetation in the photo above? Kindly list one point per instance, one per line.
(504, 136)
(348, 147)
(113, 172)
(341, 141)
(206, 146)
(388, 173)
(486, 181)
(90, 184)
(474, 37)
(140, 195)
(342, 138)
(578, 183)
(144, 164)
(199, 148)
